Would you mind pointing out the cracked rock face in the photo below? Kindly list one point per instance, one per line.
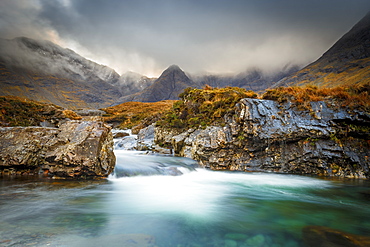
(77, 149)
(264, 135)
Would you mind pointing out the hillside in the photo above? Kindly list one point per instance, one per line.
(168, 86)
(347, 62)
(43, 71)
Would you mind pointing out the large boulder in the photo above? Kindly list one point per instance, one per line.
(77, 149)
(264, 135)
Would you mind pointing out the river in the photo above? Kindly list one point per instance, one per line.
(196, 208)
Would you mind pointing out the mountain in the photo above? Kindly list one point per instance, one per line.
(252, 79)
(46, 72)
(346, 63)
(131, 82)
(167, 87)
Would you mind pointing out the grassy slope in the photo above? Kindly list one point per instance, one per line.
(16, 111)
(323, 74)
(130, 114)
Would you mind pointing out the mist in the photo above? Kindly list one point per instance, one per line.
(199, 36)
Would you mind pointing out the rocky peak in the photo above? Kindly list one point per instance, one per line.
(174, 74)
(168, 86)
(173, 67)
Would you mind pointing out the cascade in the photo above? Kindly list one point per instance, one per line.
(139, 163)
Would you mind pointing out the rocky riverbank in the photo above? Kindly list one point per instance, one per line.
(265, 135)
(78, 149)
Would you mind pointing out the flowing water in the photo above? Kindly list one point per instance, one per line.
(197, 207)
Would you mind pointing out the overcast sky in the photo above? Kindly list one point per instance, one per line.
(216, 36)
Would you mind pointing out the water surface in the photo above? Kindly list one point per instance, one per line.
(197, 208)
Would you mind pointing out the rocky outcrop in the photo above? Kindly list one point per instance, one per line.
(77, 149)
(264, 135)
(317, 236)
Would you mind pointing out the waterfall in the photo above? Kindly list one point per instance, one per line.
(135, 163)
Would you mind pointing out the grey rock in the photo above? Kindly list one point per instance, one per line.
(264, 135)
(145, 138)
(77, 149)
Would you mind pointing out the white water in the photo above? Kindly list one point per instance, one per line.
(200, 193)
(197, 208)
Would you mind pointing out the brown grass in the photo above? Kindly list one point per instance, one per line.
(17, 111)
(130, 114)
(354, 97)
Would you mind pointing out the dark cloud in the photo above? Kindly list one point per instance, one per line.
(146, 36)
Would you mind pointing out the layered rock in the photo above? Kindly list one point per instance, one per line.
(77, 149)
(264, 135)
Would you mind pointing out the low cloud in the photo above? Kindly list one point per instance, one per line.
(215, 36)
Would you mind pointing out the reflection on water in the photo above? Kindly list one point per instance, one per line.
(198, 208)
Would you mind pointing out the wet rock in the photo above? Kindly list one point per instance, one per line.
(230, 243)
(90, 112)
(256, 241)
(120, 134)
(77, 149)
(236, 236)
(126, 240)
(319, 236)
(145, 138)
(265, 135)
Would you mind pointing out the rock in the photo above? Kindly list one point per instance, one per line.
(117, 240)
(120, 134)
(230, 243)
(90, 112)
(319, 236)
(77, 149)
(265, 135)
(236, 236)
(145, 138)
(256, 241)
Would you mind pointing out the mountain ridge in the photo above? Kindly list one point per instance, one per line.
(46, 72)
(168, 86)
(346, 63)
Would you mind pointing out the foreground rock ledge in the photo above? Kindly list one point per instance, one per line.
(77, 149)
(264, 135)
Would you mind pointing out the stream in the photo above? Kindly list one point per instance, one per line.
(166, 201)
